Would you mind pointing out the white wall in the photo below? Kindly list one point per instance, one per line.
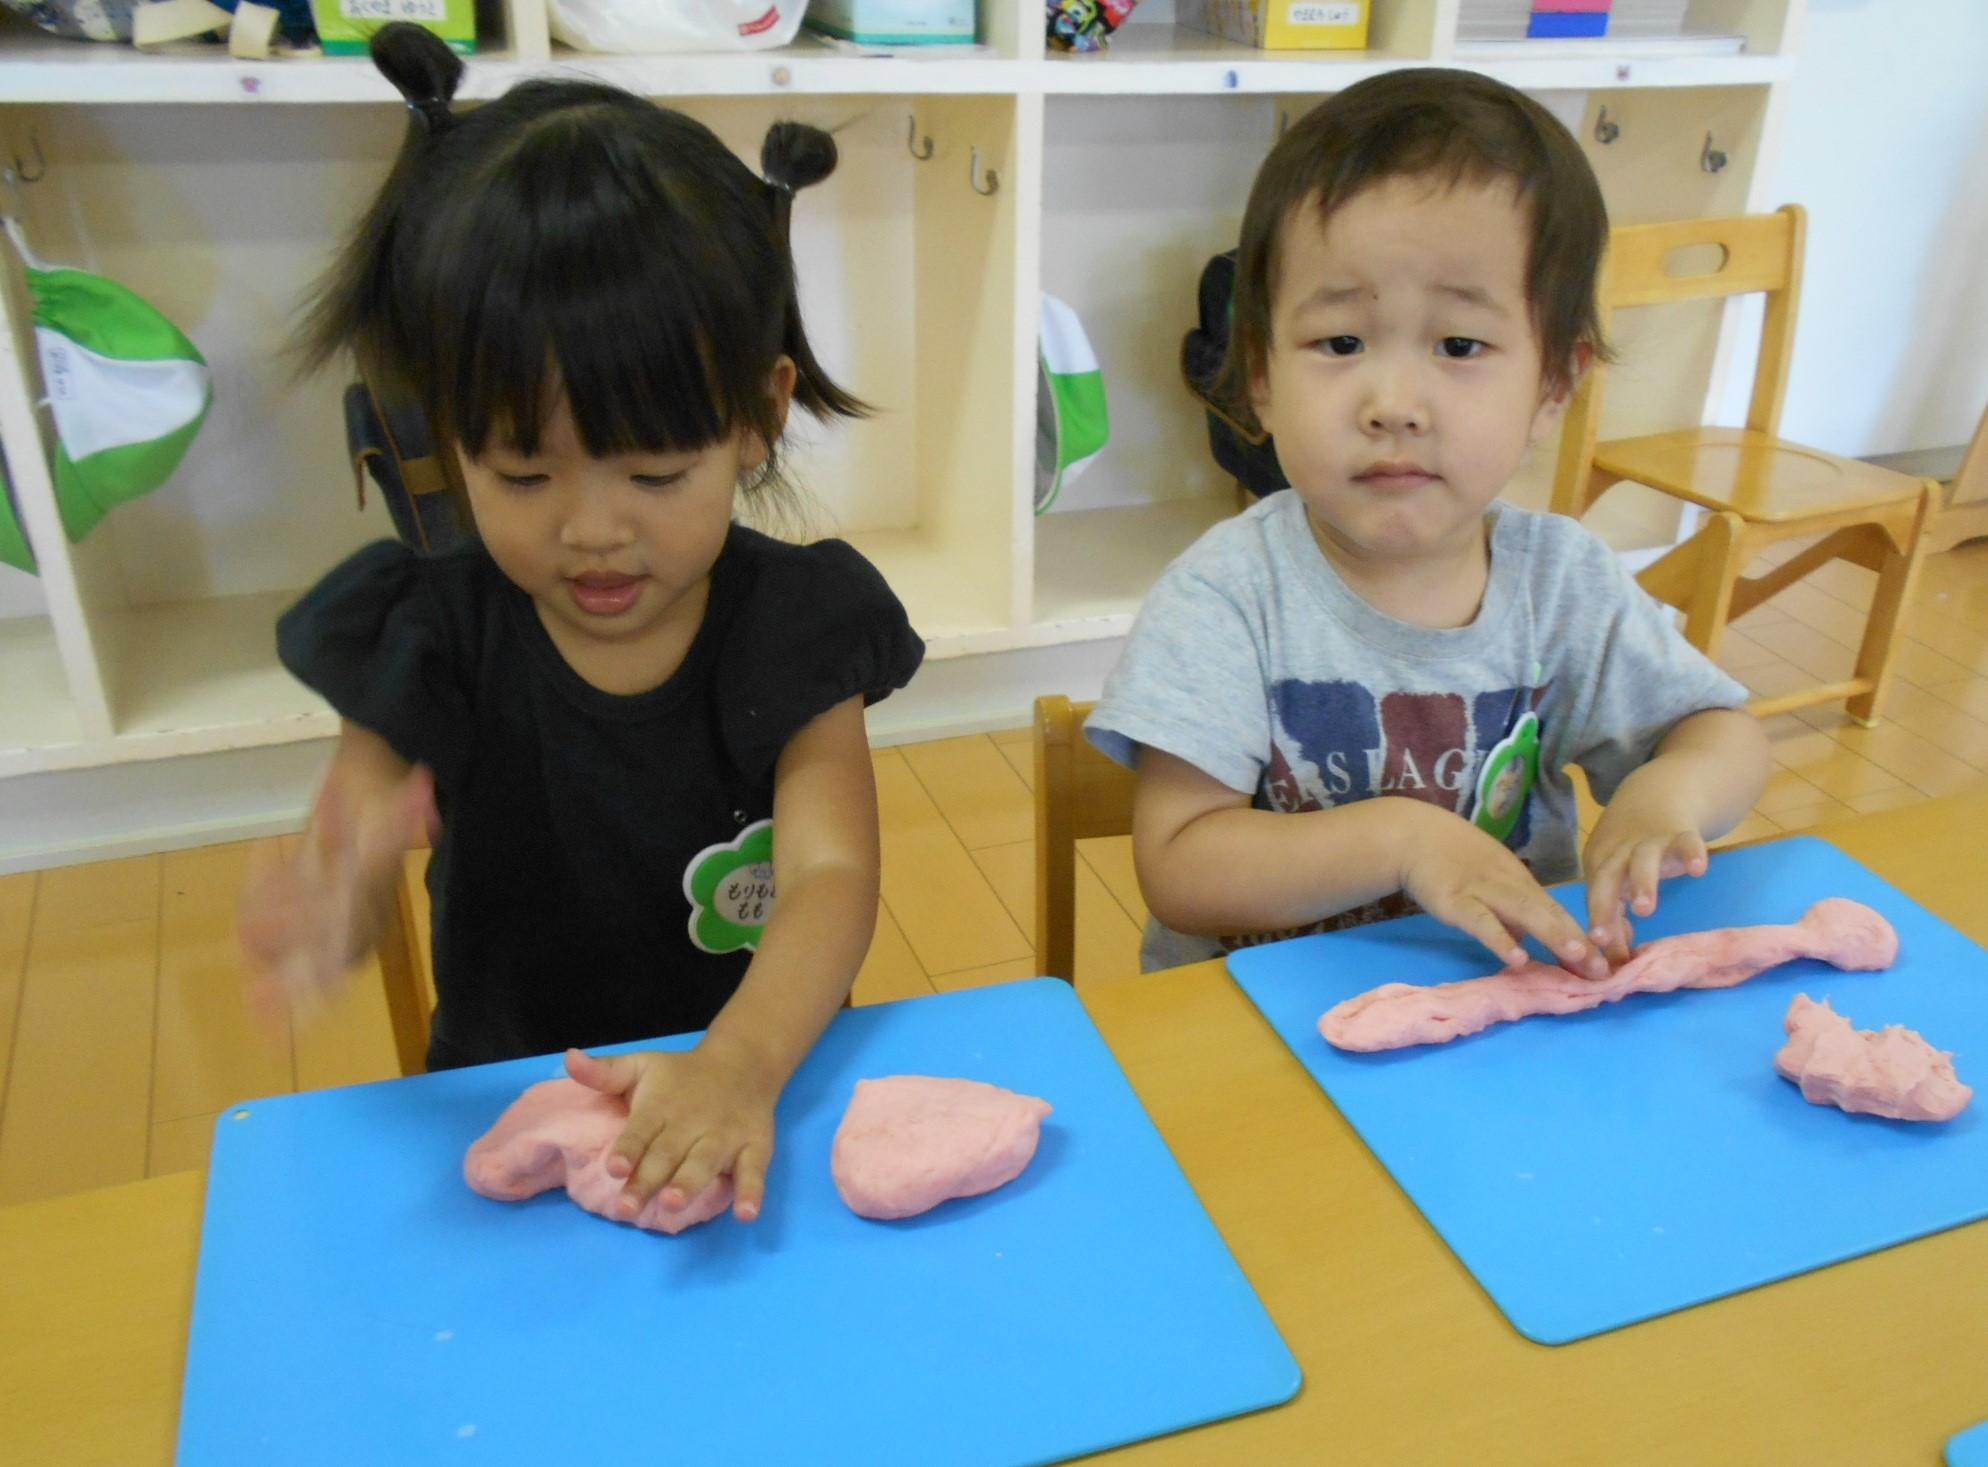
(1885, 142)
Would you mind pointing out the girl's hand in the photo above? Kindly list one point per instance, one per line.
(1460, 875)
(693, 1117)
(304, 920)
(1637, 843)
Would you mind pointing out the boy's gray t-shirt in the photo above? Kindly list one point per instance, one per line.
(1253, 661)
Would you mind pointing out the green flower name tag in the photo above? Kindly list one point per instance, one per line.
(730, 890)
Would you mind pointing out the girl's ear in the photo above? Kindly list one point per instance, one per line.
(780, 387)
(780, 396)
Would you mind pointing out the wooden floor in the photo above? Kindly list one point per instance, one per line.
(123, 1032)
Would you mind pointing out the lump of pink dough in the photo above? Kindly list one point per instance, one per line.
(559, 1131)
(1890, 1072)
(1844, 933)
(909, 1142)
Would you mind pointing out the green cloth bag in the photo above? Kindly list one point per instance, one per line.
(14, 549)
(127, 389)
(1071, 423)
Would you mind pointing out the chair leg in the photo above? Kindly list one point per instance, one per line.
(1896, 577)
(400, 967)
(1697, 578)
(1055, 840)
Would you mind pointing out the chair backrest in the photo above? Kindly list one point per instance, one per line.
(1760, 253)
(1079, 795)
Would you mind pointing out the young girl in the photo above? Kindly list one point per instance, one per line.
(625, 720)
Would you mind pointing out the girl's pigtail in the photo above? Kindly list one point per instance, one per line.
(793, 157)
(423, 70)
(349, 309)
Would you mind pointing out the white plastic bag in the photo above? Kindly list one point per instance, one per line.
(643, 26)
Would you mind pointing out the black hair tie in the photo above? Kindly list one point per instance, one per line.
(434, 112)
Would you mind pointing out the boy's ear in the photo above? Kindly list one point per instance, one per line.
(1553, 401)
(780, 393)
(1259, 392)
(1577, 368)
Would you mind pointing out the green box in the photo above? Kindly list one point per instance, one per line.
(345, 26)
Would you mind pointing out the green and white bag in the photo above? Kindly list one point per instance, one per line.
(127, 389)
(14, 549)
(1071, 424)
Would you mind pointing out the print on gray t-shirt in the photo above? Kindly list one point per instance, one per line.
(1253, 661)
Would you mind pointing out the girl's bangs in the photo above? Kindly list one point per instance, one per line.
(643, 322)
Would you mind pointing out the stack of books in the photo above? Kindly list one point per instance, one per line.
(1568, 20)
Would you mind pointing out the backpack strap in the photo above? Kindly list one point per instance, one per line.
(390, 441)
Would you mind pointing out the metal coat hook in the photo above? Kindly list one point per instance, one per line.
(1606, 132)
(911, 141)
(974, 173)
(21, 174)
(1711, 159)
(1283, 123)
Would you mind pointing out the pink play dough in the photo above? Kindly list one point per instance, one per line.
(1890, 1072)
(1396, 1015)
(560, 1131)
(909, 1142)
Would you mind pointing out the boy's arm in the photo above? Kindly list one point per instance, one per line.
(1704, 777)
(707, 1113)
(1210, 864)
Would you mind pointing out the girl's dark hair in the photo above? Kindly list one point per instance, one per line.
(1448, 126)
(572, 238)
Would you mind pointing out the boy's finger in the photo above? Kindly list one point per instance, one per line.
(1605, 899)
(1548, 921)
(1646, 864)
(1488, 927)
(1689, 853)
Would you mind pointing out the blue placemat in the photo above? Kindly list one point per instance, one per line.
(1602, 1168)
(357, 1304)
(1970, 1448)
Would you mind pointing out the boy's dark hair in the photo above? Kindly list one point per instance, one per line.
(572, 238)
(1448, 126)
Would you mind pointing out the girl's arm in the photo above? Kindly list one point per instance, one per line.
(697, 1116)
(307, 919)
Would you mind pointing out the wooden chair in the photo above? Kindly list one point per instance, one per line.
(409, 1004)
(1079, 795)
(1964, 515)
(1756, 487)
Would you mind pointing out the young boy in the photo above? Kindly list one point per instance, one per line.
(1360, 697)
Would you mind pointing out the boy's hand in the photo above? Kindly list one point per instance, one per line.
(693, 1117)
(304, 920)
(1460, 875)
(1641, 839)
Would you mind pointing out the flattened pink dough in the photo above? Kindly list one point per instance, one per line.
(559, 1131)
(1890, 1072)
(1844, 933)
(909, 1142)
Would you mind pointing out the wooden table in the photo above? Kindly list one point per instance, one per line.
(1867, 1363)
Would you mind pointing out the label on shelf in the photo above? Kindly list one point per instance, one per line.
(1317, 12)
(431, 11)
